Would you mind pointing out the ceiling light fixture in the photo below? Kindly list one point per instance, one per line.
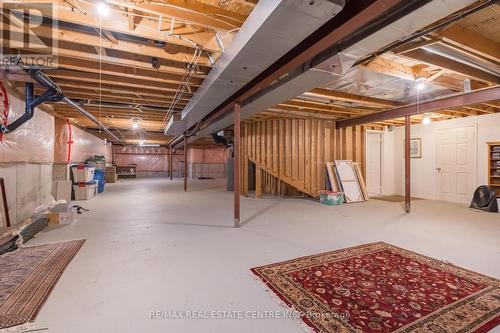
(420, 83)
(141, 143)
(103, 9)
(136, 122)
(426, 120)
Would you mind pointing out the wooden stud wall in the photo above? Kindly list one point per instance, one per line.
(294, 152)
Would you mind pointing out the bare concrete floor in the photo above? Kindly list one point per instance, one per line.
(150, 246)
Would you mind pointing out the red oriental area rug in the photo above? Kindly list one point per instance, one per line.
(380, 288)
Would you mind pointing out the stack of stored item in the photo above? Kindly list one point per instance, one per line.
(100, 179)
(84, 185)
(346, 177)
(100, 168)
(99, 161)
(111, 175)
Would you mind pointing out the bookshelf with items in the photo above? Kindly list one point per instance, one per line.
(494, 166)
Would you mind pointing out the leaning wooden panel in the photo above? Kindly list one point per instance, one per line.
(361, 180)
(349, 181)
(332, 176)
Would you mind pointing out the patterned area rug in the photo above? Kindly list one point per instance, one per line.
(382, 288)
(27, 277)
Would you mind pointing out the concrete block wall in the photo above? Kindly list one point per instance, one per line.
(28, 186)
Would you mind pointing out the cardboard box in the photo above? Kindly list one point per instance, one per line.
(111, 176)
(61, 190)
(62, 213)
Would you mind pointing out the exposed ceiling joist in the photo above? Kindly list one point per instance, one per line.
(112, 77)
(150, 28)
(188, 11)
(126, 71)
(346, 97)
(452, 65)
(175, 52)
(449, 102)
(471, 41)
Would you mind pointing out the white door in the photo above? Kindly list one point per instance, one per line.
(374, 162)
(456, 164)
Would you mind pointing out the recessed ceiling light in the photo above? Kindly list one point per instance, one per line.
(103, 9)
(420, 83)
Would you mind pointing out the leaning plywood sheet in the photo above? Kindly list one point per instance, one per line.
(332, 177)
(347, 177)
(361, 180)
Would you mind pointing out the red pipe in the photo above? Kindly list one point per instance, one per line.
(5, 101)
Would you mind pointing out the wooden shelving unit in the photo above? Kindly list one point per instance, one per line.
(494, 166)
(126, 171)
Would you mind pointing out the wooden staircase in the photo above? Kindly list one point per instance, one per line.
(266, 178)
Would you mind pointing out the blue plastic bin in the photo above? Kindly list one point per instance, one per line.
(99, 175)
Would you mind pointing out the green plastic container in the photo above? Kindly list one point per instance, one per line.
(330, 198)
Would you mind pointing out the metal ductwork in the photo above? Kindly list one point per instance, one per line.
(87, 114)
(52, 94)
(32, 102)
(268, 33)
(336, 69)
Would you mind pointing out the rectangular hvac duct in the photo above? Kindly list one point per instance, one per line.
(175, 126)
(272, 29)
(325, 74)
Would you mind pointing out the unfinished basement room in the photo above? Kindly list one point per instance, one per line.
(250, 166)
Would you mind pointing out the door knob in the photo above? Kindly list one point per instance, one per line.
(438, 169)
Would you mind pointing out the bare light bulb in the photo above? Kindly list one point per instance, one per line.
(103, 8)
(135, 125)
(421, 86)
(426, 120)
(141, 143)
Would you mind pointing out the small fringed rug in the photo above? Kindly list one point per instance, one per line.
(382, 288)
(28, 275)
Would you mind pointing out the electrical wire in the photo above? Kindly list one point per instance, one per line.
(183, 85)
